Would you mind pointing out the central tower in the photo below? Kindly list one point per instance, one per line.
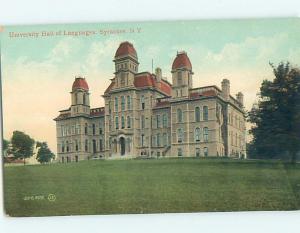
(126, 65)
(181, 76)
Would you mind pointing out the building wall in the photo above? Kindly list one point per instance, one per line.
(75, 138)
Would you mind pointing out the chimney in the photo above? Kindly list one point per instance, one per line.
(226, 89)
(158, 74)
(240, 98)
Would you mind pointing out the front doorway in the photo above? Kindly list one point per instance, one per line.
(122, 145)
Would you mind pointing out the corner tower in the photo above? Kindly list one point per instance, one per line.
(126, 65)
(181, 75)
(80, 97)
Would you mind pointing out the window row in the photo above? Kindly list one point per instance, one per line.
(235, 121)
(197, 114)
(236, 140)
(198, 152)
(199, 135)
(89, 146)
(126, 102)
(76, 129)
(124, 124)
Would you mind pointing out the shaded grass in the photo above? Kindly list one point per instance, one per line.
(152, 186)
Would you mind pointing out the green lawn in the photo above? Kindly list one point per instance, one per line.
(151, 186)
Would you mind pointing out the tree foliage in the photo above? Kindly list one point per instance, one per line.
(44, 154)
(276, 117)
(21, 145)
(5, 144)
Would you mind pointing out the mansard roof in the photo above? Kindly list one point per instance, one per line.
(94, 112)
(126, 48)
(144, 80)
(80, 83)
(182, 61)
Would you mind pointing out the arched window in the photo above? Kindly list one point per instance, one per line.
(123, 103)
(205, 134)
(197, 134)
(197, 114)
(128, 102)
(205, 113)
(128, 122)
(123, 122)
(180, 135)
(179, 115)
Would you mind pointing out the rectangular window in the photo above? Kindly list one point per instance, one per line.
(116, 104)
(101, 145)
(205, 113)
(86, 145)
(142, 140)
(165, 139)
(128, 102)
(165, 121)
(123, 122)
(157, 121)
(143, 102)
(94, 129)
(179, 135)
(197, 152)
(117, 122)
(205, 134)
(142, 121)
(179, 152)
(205, 151)
(158, 139)
(86, 129)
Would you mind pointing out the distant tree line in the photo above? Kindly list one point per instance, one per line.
(276, 116)
(21, 146)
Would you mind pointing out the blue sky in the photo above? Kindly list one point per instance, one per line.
(38, 72)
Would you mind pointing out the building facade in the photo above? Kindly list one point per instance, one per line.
(146, 116)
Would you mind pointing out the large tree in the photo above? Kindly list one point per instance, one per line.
(21, 145)
(44, 154)
(276, 116)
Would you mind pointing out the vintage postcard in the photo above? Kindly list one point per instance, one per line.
(151, 117)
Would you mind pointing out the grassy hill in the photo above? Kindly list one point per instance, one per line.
(151, 186)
